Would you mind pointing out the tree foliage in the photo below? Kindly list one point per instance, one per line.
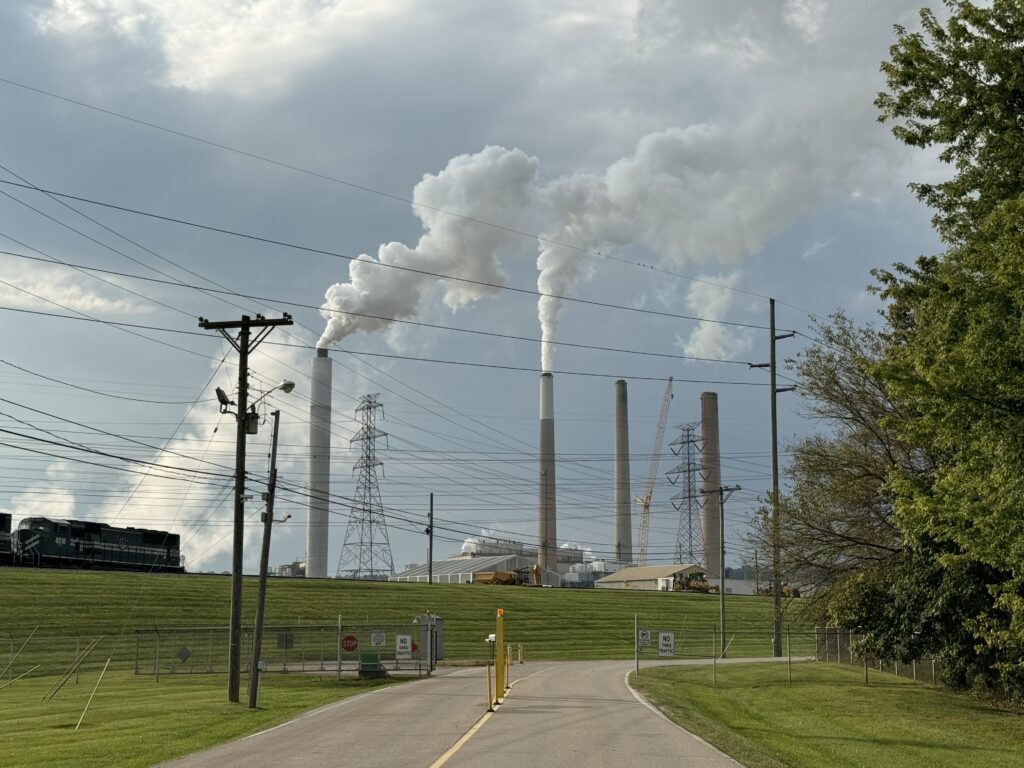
(912, 511)
(960, 87)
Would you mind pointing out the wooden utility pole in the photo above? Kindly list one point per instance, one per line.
(244, 344)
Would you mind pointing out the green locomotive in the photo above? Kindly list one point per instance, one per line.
(41, 542)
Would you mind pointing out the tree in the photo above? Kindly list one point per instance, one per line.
(954, 356)
(960, 87)
(838, 519)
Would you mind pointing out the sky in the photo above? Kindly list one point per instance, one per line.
(404, 179)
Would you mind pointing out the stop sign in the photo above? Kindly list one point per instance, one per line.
(349, 643)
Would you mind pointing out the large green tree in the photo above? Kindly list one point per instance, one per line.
(959, 87)
(954, 356)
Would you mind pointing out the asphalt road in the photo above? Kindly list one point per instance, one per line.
(556, 714)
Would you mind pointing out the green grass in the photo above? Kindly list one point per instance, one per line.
(135, 721)
(828, 717)
(550, 623)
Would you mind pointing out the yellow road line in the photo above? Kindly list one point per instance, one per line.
(461, 742)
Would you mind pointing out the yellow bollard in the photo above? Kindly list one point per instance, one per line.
(499, 661)
(490, 699)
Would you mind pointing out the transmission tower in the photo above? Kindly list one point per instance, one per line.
(687, 501)
(366, 553)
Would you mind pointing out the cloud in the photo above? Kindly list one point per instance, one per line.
(41, 287)
(815, 247)
(247, 47)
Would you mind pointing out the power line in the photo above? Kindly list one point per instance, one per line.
(382, 194)
(403, 321)
(337, 255)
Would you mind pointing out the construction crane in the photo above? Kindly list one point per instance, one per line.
(652, 475)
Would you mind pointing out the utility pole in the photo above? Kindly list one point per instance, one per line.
(430, 542)
(244, 344)
(261, 594)
(776, 523)
(723, 495)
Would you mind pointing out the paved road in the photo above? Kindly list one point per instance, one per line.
(557, 714)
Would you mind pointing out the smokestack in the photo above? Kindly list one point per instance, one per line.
(710, 482)
(623, 544)
(319, 465)
(547, 545)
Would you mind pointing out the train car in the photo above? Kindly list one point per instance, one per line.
(39, 541)
(6, 557)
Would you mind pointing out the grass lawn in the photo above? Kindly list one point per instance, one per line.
(550, 623)
(828, 717)
(135, 721)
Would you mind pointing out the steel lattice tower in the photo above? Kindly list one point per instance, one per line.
(687, 501)
(366, 553)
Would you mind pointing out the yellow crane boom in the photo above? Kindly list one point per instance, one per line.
(652, 475)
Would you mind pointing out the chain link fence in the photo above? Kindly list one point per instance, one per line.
(707, 647)
(408, 648)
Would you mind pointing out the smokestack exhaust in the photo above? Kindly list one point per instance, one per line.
(710, 483)
(623, 544)
(547, 545)
(319, 466)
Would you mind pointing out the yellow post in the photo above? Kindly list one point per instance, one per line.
(490, 698)
(499, 661)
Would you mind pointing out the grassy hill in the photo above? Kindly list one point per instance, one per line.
(550, 623)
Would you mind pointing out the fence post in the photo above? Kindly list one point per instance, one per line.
(933, 670)
(865, 669)
(896, 667)
(636, 647)
(78, 651)
(136, 652)
(338, 656)
(156, 660)
(789, 655)
(10, 666)
(825, 629)
(321, 647)
(839, 653)
(913, 668)
(714, 658)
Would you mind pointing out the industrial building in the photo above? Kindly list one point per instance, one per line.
(486, 555)
(652, 578)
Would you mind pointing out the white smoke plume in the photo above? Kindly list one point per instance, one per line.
(706, 194)
(494, 185)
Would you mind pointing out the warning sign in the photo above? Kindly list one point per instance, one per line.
(378, 638)
(403, 646)
(643, 637)
(349, 643)
(666, 644)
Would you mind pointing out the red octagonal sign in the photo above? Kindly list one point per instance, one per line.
(349, 643)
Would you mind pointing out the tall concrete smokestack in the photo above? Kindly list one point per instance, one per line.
(319, 465)
(547, 544)
(710, 482)
(623, 544)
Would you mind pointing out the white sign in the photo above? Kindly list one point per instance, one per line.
(378, 639)
(403, 646)
(666, 644)
(644, 637)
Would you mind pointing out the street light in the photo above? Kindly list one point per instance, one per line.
(261, 592)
